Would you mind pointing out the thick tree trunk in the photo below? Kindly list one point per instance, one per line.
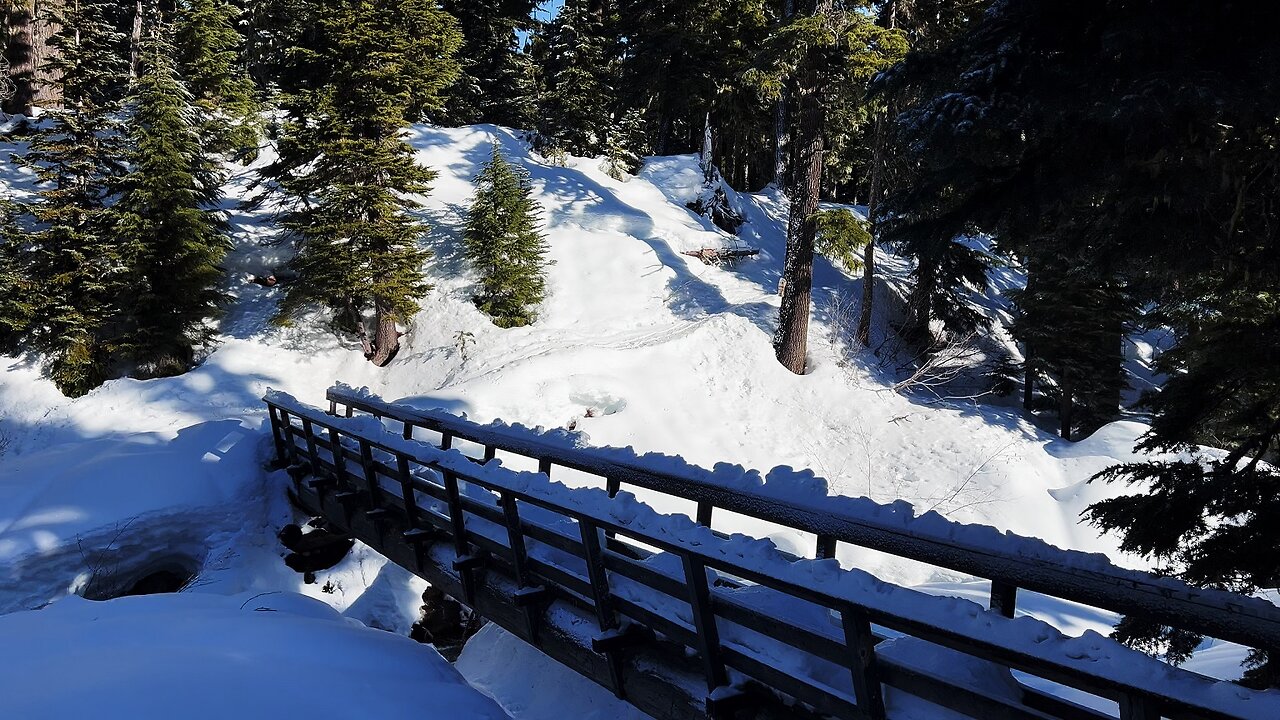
(386, 338)
(26, 36)
(920, 303)
(791, 341)
(780, 142)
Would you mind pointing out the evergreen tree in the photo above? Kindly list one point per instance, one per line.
(162, 216)
(816, 53)
(623, 145)
(1127, 152)
(208, 50)
(576, 95)
(496, 83)
(69, 253)
(273, 31)
(504, 243)
(376, 66)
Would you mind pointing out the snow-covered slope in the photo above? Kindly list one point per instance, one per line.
(636, 344)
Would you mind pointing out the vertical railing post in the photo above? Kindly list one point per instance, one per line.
(528, 594)
(408, 496)
(370, 474)
(826, 547)
(704, 621)
(861, 644)
(544, 466)
(276, 435)
(599, 579)
(466, 563)
(407, 433)
(704, 512)
(1004, 598)
(339, 458)
(286, 431)
(1136, 707)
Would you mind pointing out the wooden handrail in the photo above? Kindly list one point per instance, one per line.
(1249, 621)
(304, 442)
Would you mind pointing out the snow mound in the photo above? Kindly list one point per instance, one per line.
(269, 655)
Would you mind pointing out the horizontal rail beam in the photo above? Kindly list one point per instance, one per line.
(709, 603)
(1246, 621)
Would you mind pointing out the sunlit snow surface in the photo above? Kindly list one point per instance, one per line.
(636, 345)
(256, 655)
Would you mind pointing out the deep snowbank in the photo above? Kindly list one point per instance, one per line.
(272, 655)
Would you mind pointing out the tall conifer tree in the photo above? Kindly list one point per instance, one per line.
(379, 65)
(504, 243)
(576, 94)
(163, 216)
(817, 53)
(70, 256)
(209, 60)
(496, 83)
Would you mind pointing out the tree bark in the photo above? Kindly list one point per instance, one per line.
(135, 41)
(869, 254)
(780, 124)
(386, 337)
(1028, 379)
(1066, 407)
(27, 31)
(791, 341)
(920, 303)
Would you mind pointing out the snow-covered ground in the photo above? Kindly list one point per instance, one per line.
(636, 345)
(197, 655)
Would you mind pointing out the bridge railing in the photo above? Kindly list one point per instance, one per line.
(713, 601)
(1057, 573)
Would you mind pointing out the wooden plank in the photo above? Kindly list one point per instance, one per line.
(826, 547)
(276, 435)
(1004, 598)
(704, 513)
(862, 662)
(704, 619)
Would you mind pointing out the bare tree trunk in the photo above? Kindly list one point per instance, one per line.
(920, 303)
(386, 338)
(869, 254)
(791, 341)
(26, 34)
(1028, 379)
(780, 142)
(1066, 408)
(135, 40)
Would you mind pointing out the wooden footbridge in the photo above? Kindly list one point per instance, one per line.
(682, 623)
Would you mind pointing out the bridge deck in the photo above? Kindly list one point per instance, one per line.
(679, 624)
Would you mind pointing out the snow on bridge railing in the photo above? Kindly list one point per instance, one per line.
(761, 627)
(798, 499)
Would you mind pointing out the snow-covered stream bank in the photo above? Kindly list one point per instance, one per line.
(636, 345)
